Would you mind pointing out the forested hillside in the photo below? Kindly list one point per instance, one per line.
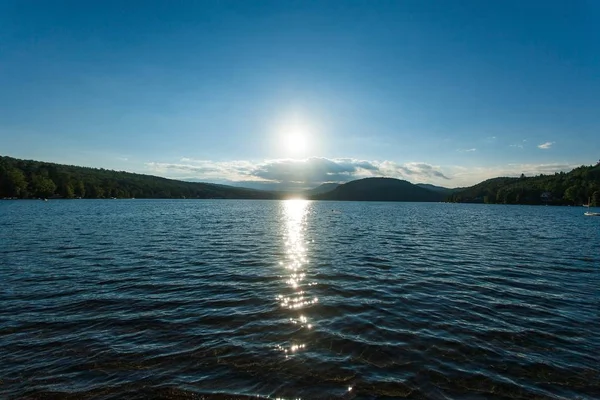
(34, 179)
(380, 189)
(572, 188)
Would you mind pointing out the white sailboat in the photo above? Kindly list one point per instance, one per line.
(588, 212)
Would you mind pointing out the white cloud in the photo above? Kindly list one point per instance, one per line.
(545, 146)
(310, 172)
(188, 168)
(522, 145)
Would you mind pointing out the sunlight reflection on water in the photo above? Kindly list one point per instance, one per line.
(294, 214)
(190, 299)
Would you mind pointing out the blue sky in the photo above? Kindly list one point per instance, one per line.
(307, 91)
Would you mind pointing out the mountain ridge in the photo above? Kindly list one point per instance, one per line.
(380, 189)
(436, 188)
(321, 189)
(36, 179)
(576, 187)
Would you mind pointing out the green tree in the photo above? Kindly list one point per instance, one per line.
(42, 186)
(79, 189)
(95, 191)
(572, 194)
(14, 183)
(67, 191)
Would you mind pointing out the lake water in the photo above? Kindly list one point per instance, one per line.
(296, 299)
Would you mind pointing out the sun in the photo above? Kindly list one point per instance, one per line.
(295, 141)
(295, 137)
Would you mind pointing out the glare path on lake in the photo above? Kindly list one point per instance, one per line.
(296, 297)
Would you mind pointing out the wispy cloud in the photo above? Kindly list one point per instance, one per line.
(188, 168)
(311, 171)
(467, 150)
(519, 146)
(545, 146)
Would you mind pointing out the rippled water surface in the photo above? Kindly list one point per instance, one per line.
(296, 299)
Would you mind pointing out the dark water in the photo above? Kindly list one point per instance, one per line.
(226, 299)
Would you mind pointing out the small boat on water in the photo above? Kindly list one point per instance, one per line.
(590, 213)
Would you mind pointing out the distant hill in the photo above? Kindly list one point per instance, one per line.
(435, 188)
(380, 189)
(573, 188)
(35, 179)
(323, 188)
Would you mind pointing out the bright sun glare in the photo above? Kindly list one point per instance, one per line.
(295, 142)
(295, 134)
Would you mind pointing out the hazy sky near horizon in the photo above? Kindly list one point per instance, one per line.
(443, 92)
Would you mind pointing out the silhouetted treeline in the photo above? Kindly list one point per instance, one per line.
(34, 179)
(572, 188)
(380, 189)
